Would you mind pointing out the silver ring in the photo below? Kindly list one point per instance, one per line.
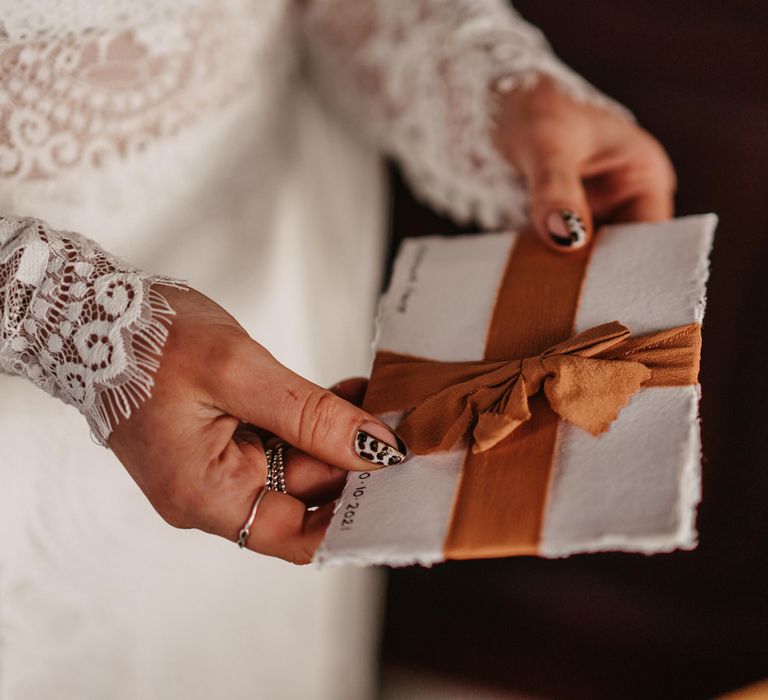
(275, 480)
(246, 529)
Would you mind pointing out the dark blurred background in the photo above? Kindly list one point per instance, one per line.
(683, 625)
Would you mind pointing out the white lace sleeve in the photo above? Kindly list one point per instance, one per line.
(417, 74)
(77, 322)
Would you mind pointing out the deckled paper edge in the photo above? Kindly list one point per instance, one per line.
(684, 538)
(381, 557)
(327, 559)
(689, 488)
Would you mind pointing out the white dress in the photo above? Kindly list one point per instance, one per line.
(234, 144)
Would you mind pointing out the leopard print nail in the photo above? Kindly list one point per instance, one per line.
(377, 451)
(567, 229)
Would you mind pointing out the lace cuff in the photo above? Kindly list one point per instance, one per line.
(418, 76)
(81, 324)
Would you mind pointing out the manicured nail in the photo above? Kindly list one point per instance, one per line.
(566, 228)
(377, 445)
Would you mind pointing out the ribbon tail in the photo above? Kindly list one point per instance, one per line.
(492, 427)
(590, 393)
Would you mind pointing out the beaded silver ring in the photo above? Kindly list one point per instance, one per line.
(276, 468)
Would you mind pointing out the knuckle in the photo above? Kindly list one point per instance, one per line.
(301, 559)
(317, 415)
(551, 180)
(301, 556)
(553, 172)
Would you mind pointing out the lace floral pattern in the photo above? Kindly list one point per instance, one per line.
(77, 322)
(417, 73)
(113, 79)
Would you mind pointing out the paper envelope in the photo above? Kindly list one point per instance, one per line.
(632, 488)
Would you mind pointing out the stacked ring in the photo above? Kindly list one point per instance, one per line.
(275, 481)
(276, 468)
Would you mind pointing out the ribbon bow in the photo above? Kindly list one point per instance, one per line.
(587, 380)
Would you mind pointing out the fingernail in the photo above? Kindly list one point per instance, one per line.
(566, 228)
(377, 445)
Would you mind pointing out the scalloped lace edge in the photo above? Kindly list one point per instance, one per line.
(148, 335)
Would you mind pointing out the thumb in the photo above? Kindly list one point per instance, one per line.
(558, 203)
(309, 417)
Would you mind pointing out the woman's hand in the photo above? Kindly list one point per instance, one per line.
(194, 451)
(582, 163)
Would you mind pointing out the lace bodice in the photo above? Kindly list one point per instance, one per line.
(84, 86)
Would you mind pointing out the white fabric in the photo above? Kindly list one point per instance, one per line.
(180, 136)
(119, 605)
(634, 488)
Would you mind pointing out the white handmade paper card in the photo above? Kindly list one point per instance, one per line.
(552, 400)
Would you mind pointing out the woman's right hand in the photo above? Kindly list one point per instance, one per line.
(195, 448)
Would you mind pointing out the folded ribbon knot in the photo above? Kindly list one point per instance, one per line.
(586, 379)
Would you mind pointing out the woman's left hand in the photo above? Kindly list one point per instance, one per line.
(582, 164)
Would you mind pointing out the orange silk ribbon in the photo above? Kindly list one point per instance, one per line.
(587, 380)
